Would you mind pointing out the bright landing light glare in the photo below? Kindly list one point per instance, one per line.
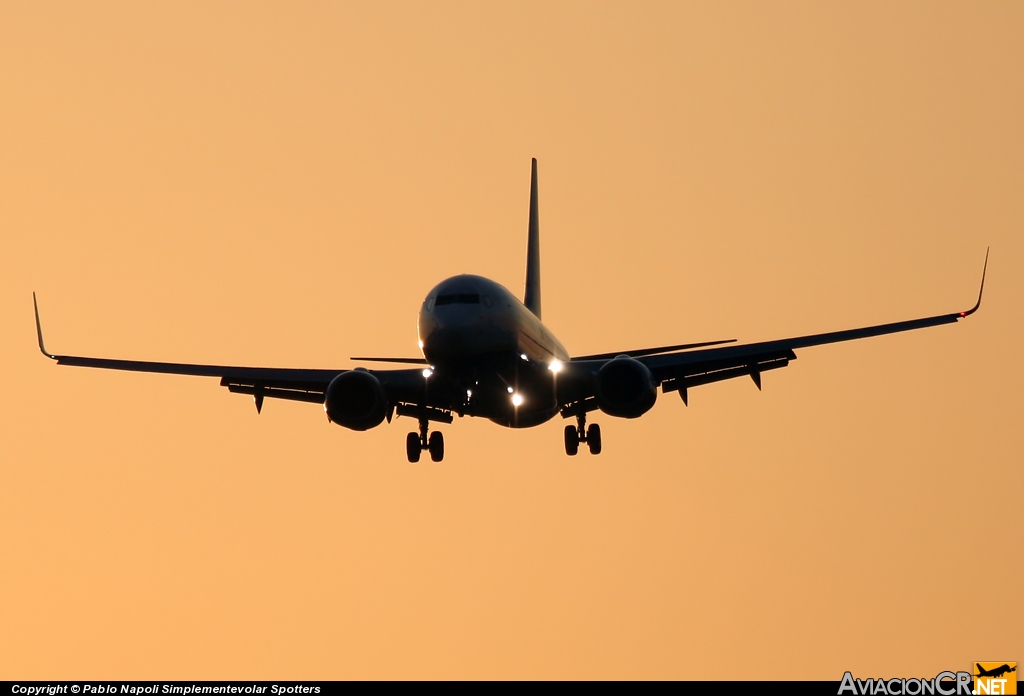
(517, 400)
(555, 366)
(427, 372)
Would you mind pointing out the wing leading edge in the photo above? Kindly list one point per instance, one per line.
(294, 384)
(679, 371)
(672, 370)
(405, 387)
(284, 383)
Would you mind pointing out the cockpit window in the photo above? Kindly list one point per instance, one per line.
(459, 298)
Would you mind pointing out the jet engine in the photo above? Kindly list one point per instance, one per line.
(356, 400)
(625, 388)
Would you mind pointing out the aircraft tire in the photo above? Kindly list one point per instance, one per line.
(412, 447)
(594, 438)
(572, 442)
(436, 446)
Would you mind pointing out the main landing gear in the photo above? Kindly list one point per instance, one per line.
(574, 435)
(416, 443)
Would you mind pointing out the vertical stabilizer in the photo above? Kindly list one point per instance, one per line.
(532, 299)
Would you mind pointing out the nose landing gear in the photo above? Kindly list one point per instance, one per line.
(416, 443)
(574, 435)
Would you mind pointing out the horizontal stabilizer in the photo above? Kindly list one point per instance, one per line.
(653, 351)
(407, 361)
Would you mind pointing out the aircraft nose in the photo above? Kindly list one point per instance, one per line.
(463, 335)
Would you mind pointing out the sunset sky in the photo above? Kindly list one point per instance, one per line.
(281, 184)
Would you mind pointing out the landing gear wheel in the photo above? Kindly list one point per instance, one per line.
(436, 447)
(594, 438)
(412, 447)
(572, 441)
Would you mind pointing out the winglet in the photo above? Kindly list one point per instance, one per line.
(977, 304)
(39, 330)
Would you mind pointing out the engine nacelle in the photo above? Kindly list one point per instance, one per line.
(356, 400)
(625, 388)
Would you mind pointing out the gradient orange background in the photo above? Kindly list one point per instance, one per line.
(280, 184)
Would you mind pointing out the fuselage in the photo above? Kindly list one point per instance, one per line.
(490, 350)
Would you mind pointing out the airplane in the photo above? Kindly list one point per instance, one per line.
(995, 672)
(486, 354)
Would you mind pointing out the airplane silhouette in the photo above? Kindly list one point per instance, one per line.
(486, 354)
(995, 672)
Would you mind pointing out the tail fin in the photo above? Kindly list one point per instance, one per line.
(532, 299)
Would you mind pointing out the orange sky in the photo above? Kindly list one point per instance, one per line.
(281, 185)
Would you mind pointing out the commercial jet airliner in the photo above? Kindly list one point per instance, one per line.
(486, 354)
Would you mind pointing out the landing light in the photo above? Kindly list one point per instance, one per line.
(427, 372)
(555, 366)
(523, 356)
(517, 400)
(510, 390)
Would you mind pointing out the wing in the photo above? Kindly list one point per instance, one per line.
(678, 371)
(293, 384)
